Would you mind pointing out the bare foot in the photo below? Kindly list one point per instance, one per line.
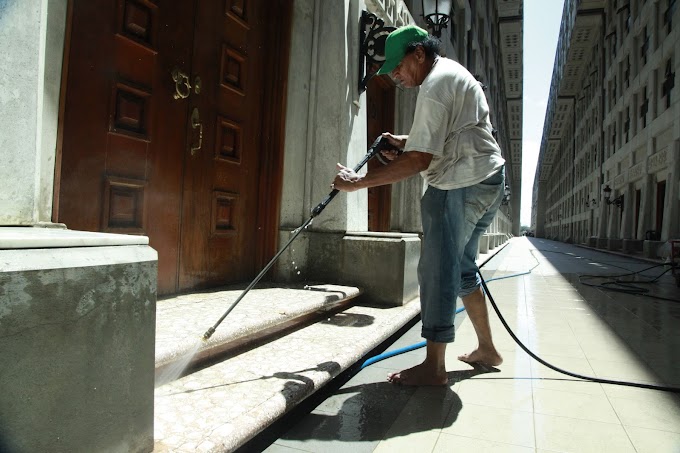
(486, 356)
(419, 375)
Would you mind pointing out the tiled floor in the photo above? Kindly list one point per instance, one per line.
(523, 406)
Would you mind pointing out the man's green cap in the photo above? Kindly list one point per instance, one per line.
(396, 44)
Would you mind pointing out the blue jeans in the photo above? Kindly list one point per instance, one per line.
(453, 220)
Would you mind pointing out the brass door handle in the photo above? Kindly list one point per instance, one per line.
(182, 85)
(196, 123)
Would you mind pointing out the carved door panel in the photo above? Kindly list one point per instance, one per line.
(220, 225)
(123, 133)
(380, 101)
(148, 148)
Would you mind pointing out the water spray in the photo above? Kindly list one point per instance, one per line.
(380, 144)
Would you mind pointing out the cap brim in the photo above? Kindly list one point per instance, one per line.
(387, 67)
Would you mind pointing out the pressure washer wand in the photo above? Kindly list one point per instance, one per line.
(379, 145)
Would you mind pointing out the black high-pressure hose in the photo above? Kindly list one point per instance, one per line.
(380, 144)
(560, 370)
(527, 350)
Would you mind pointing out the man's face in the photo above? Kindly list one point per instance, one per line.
(409, 72)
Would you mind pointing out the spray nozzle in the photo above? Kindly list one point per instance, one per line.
(208, 333)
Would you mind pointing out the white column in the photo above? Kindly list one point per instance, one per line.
(326, 116)
(671, 225)
(628, 207)
(32, 39)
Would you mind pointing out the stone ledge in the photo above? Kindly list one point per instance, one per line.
(40, 238)
(382, 234)
(181, 321)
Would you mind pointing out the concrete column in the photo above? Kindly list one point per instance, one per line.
(671, 222)
(604, 218)
(646, 203)
(628, 208)
(614, 221)
(326, 124)
(327, 117)
(78, 317)
(516, 208)
(540, 211)
(32, 39)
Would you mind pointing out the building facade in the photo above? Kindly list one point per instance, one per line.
(153, 148)
(213, 128)
(609, 161)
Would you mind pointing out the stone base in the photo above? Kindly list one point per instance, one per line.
(77, 347)
(632, 245)
(592, 241)
(614, 244)
(490, 241)
(383, 265)
(484, 243)
(649, 248)
(601, 243)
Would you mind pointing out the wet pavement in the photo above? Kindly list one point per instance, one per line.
(631, 334)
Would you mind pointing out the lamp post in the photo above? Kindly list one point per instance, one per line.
(436, 15)
(618, 201)
(506, 195)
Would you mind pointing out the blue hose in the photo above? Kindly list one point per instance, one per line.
(422, 344)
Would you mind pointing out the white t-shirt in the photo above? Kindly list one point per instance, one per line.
(452, 122)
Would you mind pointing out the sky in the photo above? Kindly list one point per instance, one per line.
(541, 28)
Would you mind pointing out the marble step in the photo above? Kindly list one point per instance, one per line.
(263, 313)
(222, 406)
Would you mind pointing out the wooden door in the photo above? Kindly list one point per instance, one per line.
(123, 135)
(660, 201)
(636, 220)
(219, 225)
(165, 131)
(380, 101)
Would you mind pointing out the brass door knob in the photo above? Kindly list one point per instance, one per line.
(182, 85)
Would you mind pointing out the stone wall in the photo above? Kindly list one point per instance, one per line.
(77, 336)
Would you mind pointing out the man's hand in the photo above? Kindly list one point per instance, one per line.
(346, 179)
(396, 140)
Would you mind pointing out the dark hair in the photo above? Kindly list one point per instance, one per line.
(430, 46)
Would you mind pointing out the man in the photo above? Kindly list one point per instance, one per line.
(452, 146)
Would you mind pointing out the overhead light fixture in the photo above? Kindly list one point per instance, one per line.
(372, 36)
(436, 14)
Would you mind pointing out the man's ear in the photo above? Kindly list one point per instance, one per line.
(420, 54)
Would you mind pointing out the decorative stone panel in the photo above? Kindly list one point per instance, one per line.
(637, 172)
(658, 161)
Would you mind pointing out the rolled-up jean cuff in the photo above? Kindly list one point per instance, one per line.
(469, 286)
(446, 335)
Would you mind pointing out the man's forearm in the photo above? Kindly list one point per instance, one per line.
(403, 167)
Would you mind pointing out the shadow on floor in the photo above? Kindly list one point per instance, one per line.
(648, 321)
(380, 410)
